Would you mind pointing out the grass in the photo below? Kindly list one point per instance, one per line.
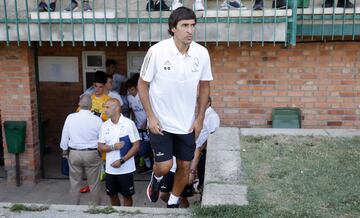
(97, 210)
(291, 176)
(21, 207)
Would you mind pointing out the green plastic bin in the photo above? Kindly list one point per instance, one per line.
(15, 136)
(286, 117)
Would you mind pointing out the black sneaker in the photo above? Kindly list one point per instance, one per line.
(344, 4)
(153, 189)
(150, 6)
(52, 6)
(259, 5)
(172, 205)
(161, 6)
(328, 4)
(42, 7)
(280, 4)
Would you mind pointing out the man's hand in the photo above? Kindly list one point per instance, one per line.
(197, 126)
(191, 178)
(119, 145)
(154, 126)
(65, 153)
(116, 164)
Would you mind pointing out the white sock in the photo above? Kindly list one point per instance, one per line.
(173, 199)
(158, 178)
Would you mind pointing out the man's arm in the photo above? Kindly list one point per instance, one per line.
(193, 166)
(204, 92)
(154, 123)
(102, 147)
(132, 152)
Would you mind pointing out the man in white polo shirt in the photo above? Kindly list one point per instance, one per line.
(119, 138)
(174, 71)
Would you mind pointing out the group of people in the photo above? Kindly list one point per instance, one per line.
(73, 5)
(174, 82)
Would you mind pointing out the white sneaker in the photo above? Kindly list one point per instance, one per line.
(198, 6)
(175, 5)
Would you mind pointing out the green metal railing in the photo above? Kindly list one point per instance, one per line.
(118, 20)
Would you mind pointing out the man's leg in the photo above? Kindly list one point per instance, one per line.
(115, 200)
(75, 174)
(128, 201)
(92, 169)
(162, 146)
(184, 148)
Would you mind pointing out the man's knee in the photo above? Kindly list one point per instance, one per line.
(162, 168)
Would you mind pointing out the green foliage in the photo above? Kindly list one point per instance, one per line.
(97, 210)
(21, 207)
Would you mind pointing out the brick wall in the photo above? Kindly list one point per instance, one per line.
(323, 79)
(18, 102)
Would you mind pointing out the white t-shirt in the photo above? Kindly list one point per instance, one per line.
(211, 123)
(110, 133)
(174, 80)
(138, 109)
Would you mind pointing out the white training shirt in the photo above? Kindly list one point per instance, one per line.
(174, 80)
(211, 123)
(81, 130)
(110, 134)
(138, 109)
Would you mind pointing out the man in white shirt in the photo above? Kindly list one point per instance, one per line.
(119, 138)
(174, 71)
(79, 140)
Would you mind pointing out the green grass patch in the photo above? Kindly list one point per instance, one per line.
(97, 210)
(22, 207)
(297, 176)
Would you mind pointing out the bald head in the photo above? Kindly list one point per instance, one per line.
(112, 108)
(85, 102)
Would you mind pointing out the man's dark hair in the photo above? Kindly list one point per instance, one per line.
(100, 77)
(108, 76)
(210, 100)
(131, 83)
(181, 13)
(110, 62)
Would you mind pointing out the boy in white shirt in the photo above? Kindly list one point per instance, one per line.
(140, 121)
(119, 138)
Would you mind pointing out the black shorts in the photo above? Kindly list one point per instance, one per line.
(167, 182)
(182, 146)
(123, 184)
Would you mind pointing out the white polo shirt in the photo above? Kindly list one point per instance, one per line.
(138, 109)
(110, 133)
(210, 125)
(174, 80)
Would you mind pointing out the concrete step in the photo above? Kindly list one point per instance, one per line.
(80, 211)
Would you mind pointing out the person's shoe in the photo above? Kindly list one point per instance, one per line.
(227, 4)
(52, 6)
(42, 7)
(85, 189)
(175, 5)
(344, 4)
(258, 5)
(328, 4)
(73, 6)
(160, 5)
(198, 6)
(153, 189)
(280, 4)
(87, 7)
(172, 205)
(150, 6)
